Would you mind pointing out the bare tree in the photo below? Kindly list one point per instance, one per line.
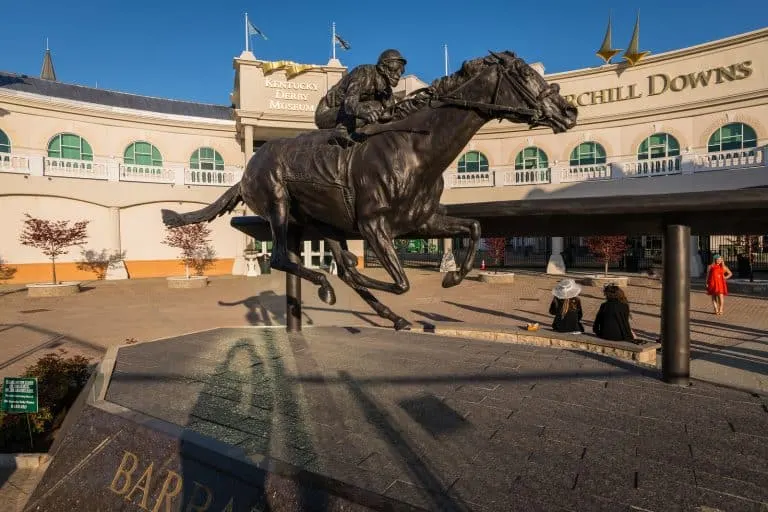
(193, 240)
(607, 249)
(6, 272)
(53, 237)
(496, 249)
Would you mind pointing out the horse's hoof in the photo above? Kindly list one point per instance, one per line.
(401, 324)
(350, 259)
(327, 294)
(451, 279)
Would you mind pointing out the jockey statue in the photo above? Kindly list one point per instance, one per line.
(360, 97)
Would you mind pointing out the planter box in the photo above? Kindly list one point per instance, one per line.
(601, 281)
(53, 290)
(497, 277)
(192, 282)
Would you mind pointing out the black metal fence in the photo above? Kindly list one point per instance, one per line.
(643, 253)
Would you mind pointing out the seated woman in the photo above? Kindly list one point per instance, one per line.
(612, 320)
(566, 307)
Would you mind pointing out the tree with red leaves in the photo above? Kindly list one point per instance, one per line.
(53, 237)
(193, 241)
(607, 249)
(496, 249)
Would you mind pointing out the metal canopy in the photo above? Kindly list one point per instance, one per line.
(707, 213)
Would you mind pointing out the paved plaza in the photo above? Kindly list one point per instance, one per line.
(588, 432)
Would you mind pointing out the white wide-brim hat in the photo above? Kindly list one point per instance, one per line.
(566, 289)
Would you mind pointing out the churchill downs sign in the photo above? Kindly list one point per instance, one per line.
(661, 83)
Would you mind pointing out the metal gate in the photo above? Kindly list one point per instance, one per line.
(414, 253)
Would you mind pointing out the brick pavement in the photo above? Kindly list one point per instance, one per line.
(731, 349)
(447, 424)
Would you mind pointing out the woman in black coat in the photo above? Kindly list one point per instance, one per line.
(566, 307)
(612, 320)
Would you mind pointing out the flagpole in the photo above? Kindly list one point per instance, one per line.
(445, 46)
(333, 39)
(246, 31)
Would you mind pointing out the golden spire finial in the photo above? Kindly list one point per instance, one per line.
(606, 52)
(633, 55)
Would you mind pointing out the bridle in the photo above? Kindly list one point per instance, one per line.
(493, 109)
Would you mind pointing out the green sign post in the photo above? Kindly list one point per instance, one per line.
(19, 395)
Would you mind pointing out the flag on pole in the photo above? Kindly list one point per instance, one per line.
(253, 31)
(344, 45)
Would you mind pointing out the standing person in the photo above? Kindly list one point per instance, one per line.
(717, 273)
(612, 320)
(566, 306)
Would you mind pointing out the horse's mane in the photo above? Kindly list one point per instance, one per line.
(418, 99)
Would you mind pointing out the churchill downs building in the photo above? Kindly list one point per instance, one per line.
(688, 120)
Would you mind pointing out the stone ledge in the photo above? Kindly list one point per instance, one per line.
(601, 281)
(758, 288)
(64, 289)
(191, 282)
(23, 460)
(644, 353)
(496, 277)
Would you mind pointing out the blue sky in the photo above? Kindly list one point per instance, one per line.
(184, 50)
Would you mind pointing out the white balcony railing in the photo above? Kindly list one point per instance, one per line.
(70, 168)
(146, 173)
(730, 159)
(211, 178)
(14, 163)
(470, 179)
(527, 177)
(586, 173)
(653, 167)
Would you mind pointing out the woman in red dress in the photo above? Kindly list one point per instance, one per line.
(717, 273)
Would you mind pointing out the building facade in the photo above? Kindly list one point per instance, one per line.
(687, 120)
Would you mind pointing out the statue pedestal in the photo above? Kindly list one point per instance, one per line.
(116, 270)
(252, 268)
(448, 264)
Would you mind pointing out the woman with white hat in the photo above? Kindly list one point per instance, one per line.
(566, 306)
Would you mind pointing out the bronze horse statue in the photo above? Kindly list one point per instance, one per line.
(390, 184)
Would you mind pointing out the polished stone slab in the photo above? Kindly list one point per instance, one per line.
(363, 415)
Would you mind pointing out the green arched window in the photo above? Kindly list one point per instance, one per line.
(142, 153)
(531, 158)
(732, 136)
(473, 161)
(207, 159)
(5, 143)
(68, 145)
(658, 145)
(587, 153)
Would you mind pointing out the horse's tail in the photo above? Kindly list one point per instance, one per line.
(225, 204)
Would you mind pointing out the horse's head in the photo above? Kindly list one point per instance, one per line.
(521, 95)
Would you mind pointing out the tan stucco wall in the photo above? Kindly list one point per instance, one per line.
(690, 115)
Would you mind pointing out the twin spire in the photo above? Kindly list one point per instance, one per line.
(633, 55)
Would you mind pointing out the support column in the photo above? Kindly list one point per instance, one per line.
(448, 263)
(116, 266)
(239, 266)
(556, 264)
(675, 306)
(697, 267)
(293, 287)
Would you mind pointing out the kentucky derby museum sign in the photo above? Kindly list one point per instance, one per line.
(292, 95)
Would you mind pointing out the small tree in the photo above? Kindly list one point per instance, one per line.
(193, 240)
(53, 237)
(607, 249)
(6, 272)
(496, 249)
